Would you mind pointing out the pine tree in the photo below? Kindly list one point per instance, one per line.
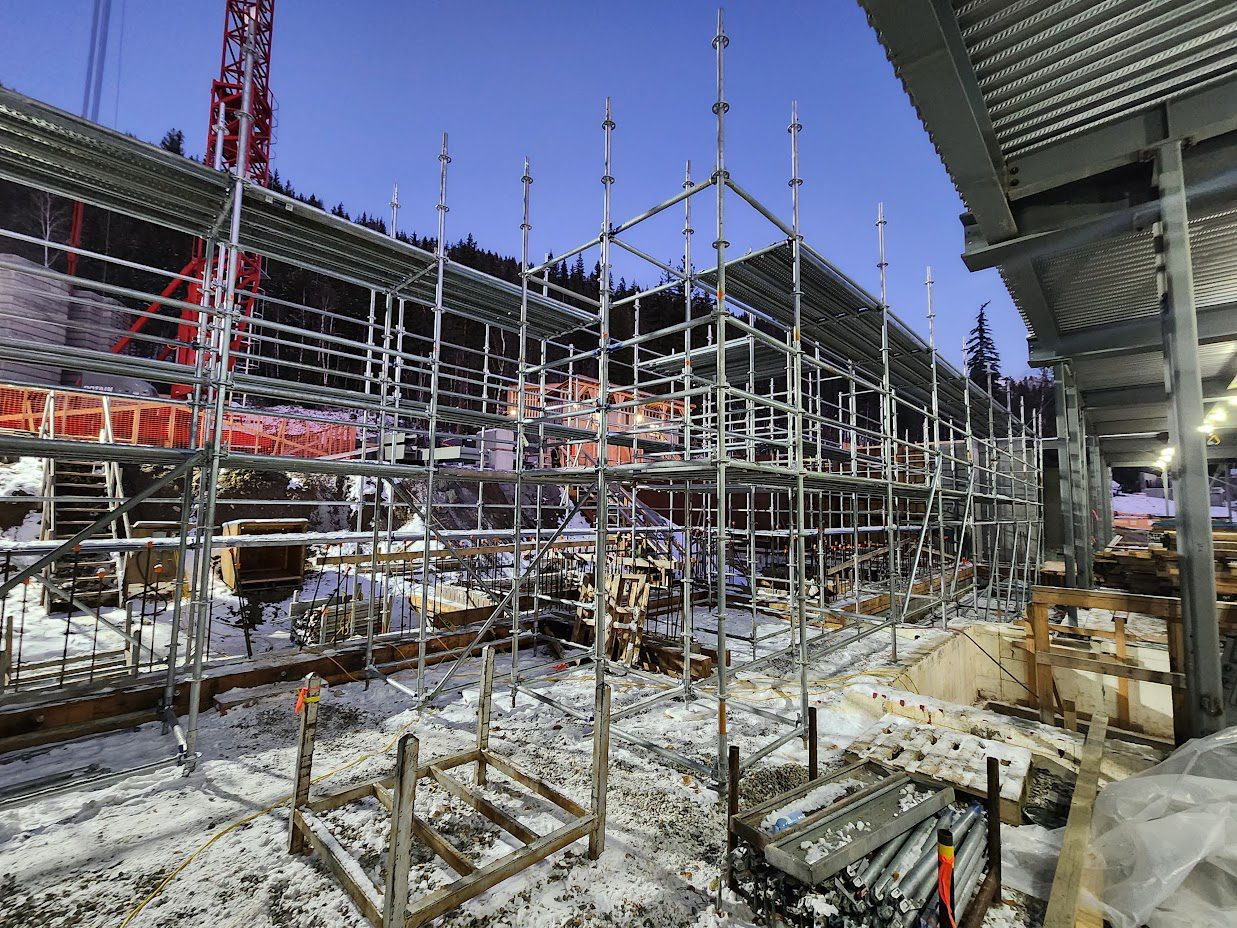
(174, 141)
(982, 361)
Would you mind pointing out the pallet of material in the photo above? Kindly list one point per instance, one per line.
(1154, 569)
(948, 757)
(329, 620)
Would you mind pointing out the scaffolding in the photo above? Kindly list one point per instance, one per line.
(798, 471)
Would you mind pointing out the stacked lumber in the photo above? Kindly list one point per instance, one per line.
(1154, 569)
(628, 641)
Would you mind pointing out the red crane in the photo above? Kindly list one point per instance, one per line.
(247, 32)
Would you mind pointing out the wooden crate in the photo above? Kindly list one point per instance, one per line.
(274, 565)
(390, 906)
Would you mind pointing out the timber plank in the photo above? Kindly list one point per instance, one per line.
(1067, 880)
(1059, 657)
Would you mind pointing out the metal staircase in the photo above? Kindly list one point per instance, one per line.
(76, 493)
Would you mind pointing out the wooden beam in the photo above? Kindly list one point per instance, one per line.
(436, 842)
(508, 823)
(1060, 657)
(1123, 683)
(399, 844)
(1040, 674)
(345, 867)
(538, 786)
(1163, 607)
(1067, 880)
(307, 706)
(46, 717)
(463, 889)
(483, 711)
(1107, 634)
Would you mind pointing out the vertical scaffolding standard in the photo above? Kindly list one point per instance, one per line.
(809, 469)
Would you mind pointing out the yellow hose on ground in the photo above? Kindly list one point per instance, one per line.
(163, 884)
(892, 673)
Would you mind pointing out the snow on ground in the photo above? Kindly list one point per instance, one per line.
(88, 858)
(1140, 504)
(23, 477)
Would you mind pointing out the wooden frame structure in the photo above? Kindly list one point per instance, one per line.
(389, 906)
(1043, 656)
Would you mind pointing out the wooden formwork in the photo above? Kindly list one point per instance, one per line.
(1043, 655)
(389, 906)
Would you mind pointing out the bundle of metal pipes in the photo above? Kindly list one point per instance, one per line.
(894, 887)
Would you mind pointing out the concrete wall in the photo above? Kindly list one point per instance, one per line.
(957, 671)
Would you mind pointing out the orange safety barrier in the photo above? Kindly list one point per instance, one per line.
(164, 424)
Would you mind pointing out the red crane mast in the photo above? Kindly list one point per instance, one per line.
(238, 149)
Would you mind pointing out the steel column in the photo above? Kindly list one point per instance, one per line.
(1188, 469)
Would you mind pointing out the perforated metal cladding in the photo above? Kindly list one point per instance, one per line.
(1050, 70)
(1107, 282)
(1106, 372)
(1213, 242)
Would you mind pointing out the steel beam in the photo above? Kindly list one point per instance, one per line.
(1208, 113)
(1216, 323)
(1188, 470)
(1096, 486)
(926, 48)
(1070, 457)
(1214, 389)
(980, 255)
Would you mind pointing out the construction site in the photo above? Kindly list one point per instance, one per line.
(723, 599)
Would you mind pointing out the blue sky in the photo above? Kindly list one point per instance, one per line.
(364, 90)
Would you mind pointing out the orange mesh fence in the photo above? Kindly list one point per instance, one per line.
(164, 424)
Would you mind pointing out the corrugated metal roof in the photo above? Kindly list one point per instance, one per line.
(53, 150)
(1050, 70)
(1213, 240)
(1110, 281)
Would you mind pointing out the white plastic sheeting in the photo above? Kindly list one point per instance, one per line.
(1166, 839)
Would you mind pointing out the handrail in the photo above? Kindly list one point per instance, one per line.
(164, 423)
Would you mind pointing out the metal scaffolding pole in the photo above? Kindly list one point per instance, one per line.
(687, 589)
(936, 444)
(797, 400)
(721, 449)
(888, 438)
(521, 416)
(600, 618)
(219, 381)
(431, 453)
(1073, 484)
